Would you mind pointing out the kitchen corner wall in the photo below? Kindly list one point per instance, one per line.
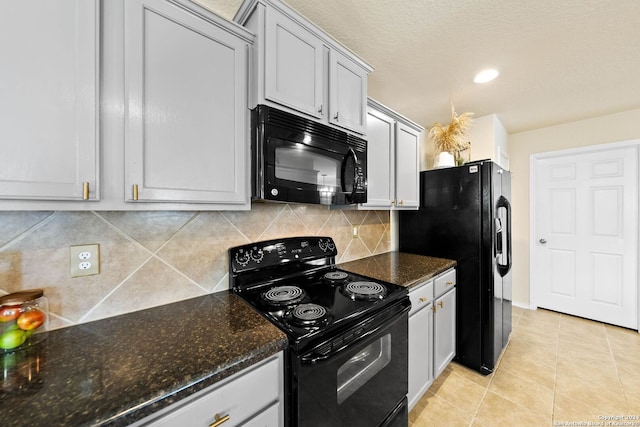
(153, 258)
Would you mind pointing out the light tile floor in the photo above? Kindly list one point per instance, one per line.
(556, 370)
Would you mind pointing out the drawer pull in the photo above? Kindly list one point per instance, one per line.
(219, 420)
(423, 299)
(449, 283)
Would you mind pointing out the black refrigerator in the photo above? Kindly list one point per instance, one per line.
(465, 215)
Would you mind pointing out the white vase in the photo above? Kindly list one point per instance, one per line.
(444, 160)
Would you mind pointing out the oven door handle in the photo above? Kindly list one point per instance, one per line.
(315, 355)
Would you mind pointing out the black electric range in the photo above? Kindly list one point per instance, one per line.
(347, 333)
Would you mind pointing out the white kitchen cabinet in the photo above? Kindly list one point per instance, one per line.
(392, 159)
(347, 93)
(252, 397)
(172, 116)
(293, 65)
(444, 321)
(420, 341)
(301, 69)
(432, 332)
(186, 107)
(49, 113)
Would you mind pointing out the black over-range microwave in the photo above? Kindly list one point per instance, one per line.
(298, 160)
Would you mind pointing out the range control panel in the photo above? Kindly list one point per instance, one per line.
(280, 251)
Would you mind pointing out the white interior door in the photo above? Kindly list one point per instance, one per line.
(585, 253)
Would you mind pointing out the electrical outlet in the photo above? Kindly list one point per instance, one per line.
(84, 260)
(355, 231)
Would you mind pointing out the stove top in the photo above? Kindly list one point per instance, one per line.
(295, 284)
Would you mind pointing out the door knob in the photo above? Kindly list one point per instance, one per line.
(543, 241)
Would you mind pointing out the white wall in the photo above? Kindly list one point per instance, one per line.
(600, 130)
(489, 140)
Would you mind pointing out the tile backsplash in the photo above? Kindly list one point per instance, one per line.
(154, 258)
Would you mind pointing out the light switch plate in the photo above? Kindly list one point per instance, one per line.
(84, 260)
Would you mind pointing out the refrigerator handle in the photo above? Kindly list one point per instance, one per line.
(503, 269)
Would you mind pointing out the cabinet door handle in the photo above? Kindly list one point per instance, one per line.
(320, 109)
(401, 202)
(135, 191)
(219, 420)
(433, 307)
(441, 304)
(393, 202)
(337, 117)
(85, 191)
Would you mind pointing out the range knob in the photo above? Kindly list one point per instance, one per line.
(243, 258)
(257, 255)
(330, 245)
(323, 245)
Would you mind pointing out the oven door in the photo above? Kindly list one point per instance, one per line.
(361, 383)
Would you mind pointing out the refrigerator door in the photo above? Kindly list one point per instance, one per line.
(449, 224)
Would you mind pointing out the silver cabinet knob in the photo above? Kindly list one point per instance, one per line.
(543, 241)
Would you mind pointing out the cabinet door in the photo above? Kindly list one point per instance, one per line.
(420, 353)
(293, 65)
(186, 119)
(347, 93)
(407, 166)
(444, 331)
(49, 99)
(380, 159)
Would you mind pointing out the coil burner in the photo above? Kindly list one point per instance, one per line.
(365, 291)
(283, 295)
(335, 276)
(308, 315)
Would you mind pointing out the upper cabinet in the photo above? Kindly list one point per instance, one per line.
(392, 159)
(151, 96)
(186, 107)
(49, 91)
(299, 68)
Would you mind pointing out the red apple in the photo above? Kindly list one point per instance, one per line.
(31, 319)
(9, 313)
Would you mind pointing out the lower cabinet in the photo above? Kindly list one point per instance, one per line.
(432, 332)
(420, 342)
(444, 331)
(252, 397)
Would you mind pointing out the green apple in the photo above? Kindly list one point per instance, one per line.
(12, 339)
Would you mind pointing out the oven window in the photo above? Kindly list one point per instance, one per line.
(301, 164)
(363, 366)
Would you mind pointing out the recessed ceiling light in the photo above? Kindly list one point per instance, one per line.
(486, 76)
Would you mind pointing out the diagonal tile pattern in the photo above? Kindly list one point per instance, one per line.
(158, 257)
(556, 370)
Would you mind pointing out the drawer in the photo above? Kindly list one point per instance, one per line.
(421, 296)
(241, 396)
(444, 282)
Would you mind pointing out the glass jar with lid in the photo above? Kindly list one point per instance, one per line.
(23, 316)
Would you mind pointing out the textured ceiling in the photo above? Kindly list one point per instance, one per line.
(559, 60)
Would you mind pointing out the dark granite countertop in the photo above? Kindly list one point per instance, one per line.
(115, 371)
(401, 268)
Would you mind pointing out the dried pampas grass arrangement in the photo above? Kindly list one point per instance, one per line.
(450, 138)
